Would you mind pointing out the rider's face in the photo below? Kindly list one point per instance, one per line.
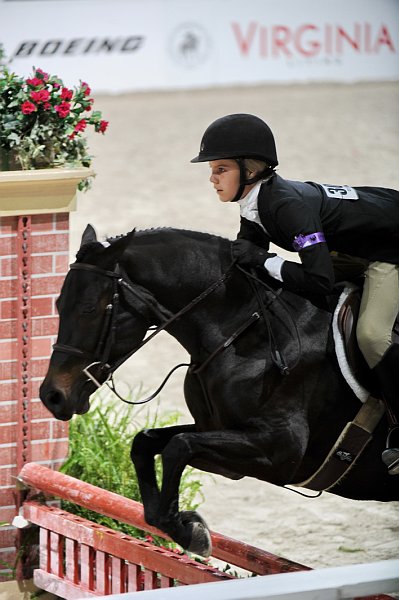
(225, 177)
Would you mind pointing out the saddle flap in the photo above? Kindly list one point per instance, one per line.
(347, 320)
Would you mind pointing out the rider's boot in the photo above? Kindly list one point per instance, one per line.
(387, 371)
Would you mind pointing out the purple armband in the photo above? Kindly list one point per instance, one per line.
(303, 241)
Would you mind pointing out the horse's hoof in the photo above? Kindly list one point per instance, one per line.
(200, 538)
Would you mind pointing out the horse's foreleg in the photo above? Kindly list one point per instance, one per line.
(146, 445)
(232, 451)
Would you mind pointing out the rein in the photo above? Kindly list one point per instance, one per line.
(109, 328)
(108, 333)
(174, 317)
(276, 355)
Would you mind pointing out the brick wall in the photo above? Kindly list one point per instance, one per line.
(33, 264)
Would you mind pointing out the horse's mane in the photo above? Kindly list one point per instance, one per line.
(87, 248)
(156, 230)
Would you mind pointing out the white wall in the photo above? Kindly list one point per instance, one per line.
(125, 45)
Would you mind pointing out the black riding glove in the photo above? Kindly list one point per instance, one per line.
(249, 254)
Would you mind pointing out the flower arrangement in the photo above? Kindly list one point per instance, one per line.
(42, 122)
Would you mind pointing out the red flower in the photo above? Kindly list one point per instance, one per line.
(90, 102)
(66, 94)
(28, 107)
(63, 109)
(44, 75)
(35, 82)
(102, 127)
(47, 106)
(81, 125)
(40, 96)
(86, 89)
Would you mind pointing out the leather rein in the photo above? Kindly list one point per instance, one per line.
(100, 358)
(108, 334)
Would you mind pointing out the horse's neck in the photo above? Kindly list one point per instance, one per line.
(178, 272)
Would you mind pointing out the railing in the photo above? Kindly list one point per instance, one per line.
(81, 559)
(343, 583)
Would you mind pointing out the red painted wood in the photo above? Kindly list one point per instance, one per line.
(150, 580)
(251, 558)
(86, 567)
(97, 538)
(71, 560)
(102, 573)
(133, 572)
(166, 582)
(60, 587)
(56, 554)
(118, 575)
(128, 511)
(174, 569)
(44, 549)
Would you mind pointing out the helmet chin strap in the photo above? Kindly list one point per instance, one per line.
(244, 181)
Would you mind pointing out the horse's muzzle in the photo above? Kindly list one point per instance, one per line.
(54, 400)
(57, 403)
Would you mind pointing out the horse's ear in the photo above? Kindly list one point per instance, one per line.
(89, 235)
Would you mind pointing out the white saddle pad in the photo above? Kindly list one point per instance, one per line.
(346, 371)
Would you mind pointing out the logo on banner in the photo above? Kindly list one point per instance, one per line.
(78, 46)
(308, 41)
(189, 45)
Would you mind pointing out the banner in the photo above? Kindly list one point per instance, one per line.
(128, 45)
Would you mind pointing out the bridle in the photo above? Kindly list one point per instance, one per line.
(100, 358)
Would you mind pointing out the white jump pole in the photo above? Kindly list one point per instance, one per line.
(334, 583)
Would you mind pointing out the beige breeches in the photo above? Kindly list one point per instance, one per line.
(378, 310)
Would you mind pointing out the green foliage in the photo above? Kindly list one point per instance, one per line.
(42, 121)
(99, 453)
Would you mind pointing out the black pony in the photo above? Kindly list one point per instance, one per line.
(264, 387)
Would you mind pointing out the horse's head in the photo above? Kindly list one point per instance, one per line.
(95, 314)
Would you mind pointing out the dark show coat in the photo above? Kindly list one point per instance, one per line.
(362, 222)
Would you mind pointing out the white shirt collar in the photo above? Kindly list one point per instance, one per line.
(249, 205)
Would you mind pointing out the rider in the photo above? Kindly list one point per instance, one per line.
(314, 219)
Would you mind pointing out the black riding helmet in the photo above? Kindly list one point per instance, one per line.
(239, 136)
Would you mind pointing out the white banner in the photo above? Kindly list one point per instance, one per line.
(127, 45)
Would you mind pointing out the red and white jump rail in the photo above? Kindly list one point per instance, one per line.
(81, 559)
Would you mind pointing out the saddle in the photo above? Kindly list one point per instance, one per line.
(347, 319)
(357, 433)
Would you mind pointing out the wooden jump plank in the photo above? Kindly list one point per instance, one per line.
(103, 539)
(131, 512)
